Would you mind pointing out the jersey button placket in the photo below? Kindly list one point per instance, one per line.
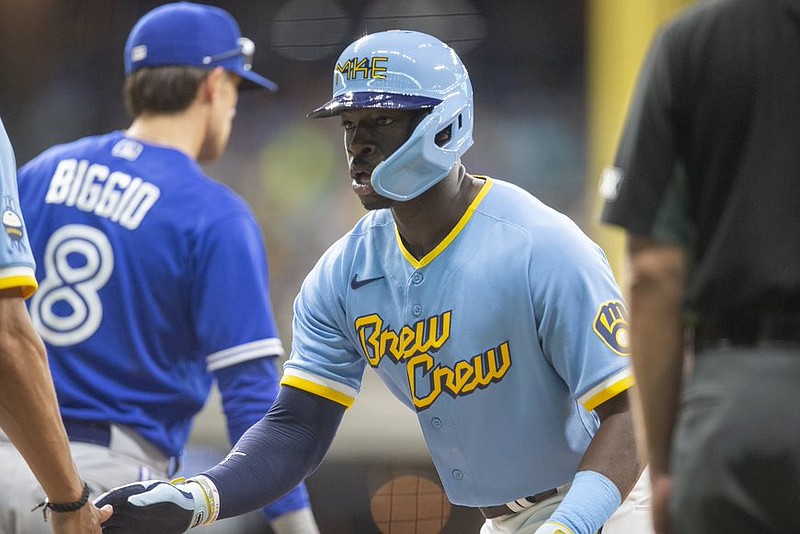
(415, 280)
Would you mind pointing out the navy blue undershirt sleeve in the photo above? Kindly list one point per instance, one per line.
(248, 391)
(277, 452)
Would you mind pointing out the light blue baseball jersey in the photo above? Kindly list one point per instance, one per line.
(502, 339)
(152, 276)
(16, 260)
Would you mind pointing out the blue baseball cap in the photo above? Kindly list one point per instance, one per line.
(193, 35)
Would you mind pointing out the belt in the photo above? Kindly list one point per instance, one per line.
(519, 505)
(771, 328)
(88, 432)
(127, 442)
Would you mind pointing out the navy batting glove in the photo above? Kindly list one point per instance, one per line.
(158, 506)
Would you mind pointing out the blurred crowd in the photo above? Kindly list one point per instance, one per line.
(63, 73)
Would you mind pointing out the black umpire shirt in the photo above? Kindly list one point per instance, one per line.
(713, 135)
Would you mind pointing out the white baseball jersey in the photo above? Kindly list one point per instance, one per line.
(502, 339)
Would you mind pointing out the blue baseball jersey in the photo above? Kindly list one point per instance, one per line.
(503, 339)
(152, 277)
(16, 260)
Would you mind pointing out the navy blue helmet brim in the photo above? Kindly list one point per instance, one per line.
(369, 100)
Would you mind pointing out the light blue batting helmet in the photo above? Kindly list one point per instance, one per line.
(401, 69)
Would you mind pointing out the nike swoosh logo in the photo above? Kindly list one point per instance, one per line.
(355, 283)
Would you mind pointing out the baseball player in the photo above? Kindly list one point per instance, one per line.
(153, 277)
(490, 315)
(29, 415)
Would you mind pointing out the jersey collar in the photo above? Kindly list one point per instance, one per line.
(429, 257)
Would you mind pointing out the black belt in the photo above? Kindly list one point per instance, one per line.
(491, 512)
(772, 328)
(98, 433)
(88, 432)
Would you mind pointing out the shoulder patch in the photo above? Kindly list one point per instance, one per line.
(611, 324)
(12, 224)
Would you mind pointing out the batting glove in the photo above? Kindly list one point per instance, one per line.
(553, 528)
(158, 506)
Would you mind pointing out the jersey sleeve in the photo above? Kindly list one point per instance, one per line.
(581, 318)
(17, 268)
(645, 161)
(231, 301)
(324, 361)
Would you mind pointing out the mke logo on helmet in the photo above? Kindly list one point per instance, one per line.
(366, 68)
(414, 344)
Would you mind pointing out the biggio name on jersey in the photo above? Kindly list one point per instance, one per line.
(94, 188)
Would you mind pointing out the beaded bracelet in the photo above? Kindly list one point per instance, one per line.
(63, 507)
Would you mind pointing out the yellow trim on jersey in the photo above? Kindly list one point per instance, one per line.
(27, 284)
(620, 382)
(317, 389)
(429, 257)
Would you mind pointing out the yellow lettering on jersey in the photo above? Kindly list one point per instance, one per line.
(425, 335)
(413, 345)
(464, 378)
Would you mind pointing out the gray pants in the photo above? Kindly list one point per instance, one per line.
(736, 451)
(127, 459)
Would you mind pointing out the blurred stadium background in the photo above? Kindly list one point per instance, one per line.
(551, 81)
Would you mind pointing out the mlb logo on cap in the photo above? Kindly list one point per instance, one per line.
(193, 35)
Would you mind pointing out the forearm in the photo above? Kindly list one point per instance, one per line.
(608, 471)
(276, 453)
(656, 289)
(29, 412)
(248, 391)
(613, 452)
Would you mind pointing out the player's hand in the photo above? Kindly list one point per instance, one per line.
(156, 506)
(84, 521)
(553, 528)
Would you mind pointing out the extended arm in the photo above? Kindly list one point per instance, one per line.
(248, 390)
(276, 453)
(30, 417)
(272, 457)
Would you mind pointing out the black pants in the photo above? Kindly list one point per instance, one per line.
(736, 450)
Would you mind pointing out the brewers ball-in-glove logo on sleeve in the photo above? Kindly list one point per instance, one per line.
(611, 324)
